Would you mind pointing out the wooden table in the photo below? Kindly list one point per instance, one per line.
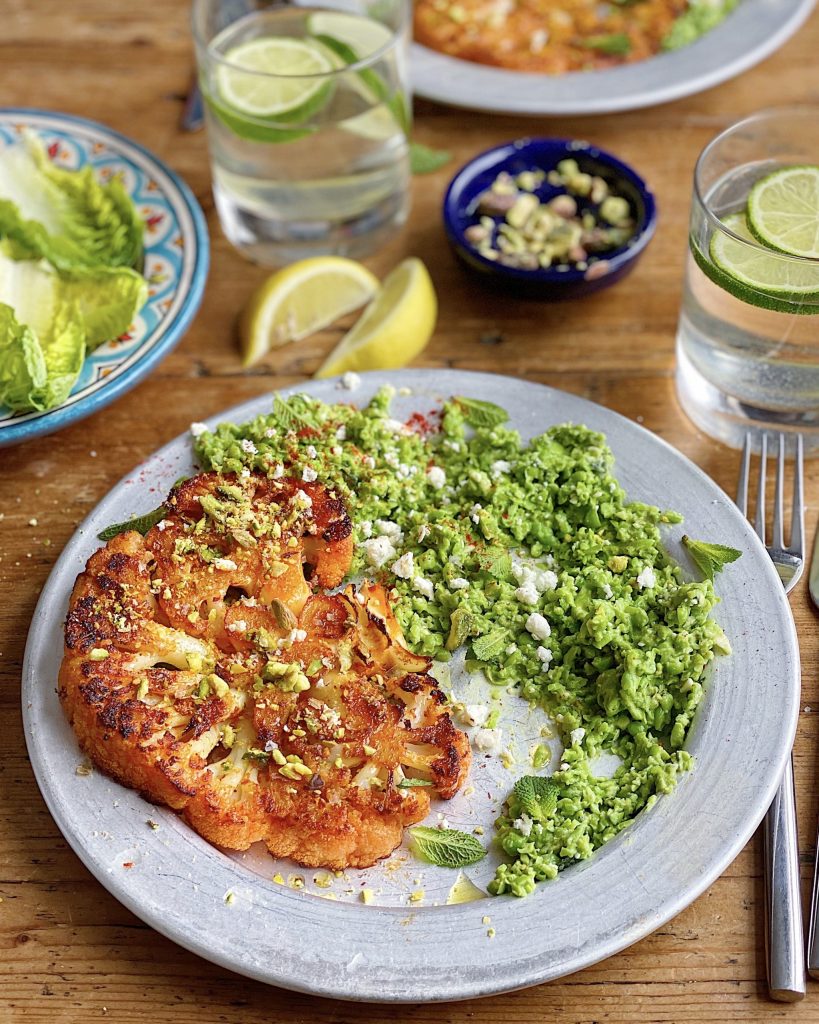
(70, 952)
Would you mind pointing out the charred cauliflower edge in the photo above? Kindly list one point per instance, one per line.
(208, 666)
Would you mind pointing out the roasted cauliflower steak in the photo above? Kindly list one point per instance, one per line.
(208, 666)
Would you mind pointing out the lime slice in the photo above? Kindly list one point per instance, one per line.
(393, 329)
(301, 299)
(760, 277)
(361, 35)
(783, 211)
(273, 78)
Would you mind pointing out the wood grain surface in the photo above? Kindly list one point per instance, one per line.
(69, 953)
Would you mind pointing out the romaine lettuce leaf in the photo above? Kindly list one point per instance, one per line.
(49, 321)
(108, 299)
(22, 364)
(66, 217)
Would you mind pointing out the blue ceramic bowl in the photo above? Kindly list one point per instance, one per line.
(531, 154)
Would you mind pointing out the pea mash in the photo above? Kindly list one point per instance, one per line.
(530, 556)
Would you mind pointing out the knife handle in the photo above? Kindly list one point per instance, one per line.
(783, 908)
(813, 925)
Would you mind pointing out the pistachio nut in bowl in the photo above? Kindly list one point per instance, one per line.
(549, 218)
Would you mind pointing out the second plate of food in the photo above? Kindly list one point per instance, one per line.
(583, 610)
(751, 32)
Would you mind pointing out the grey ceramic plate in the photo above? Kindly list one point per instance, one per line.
(753, 31)
(397, 952)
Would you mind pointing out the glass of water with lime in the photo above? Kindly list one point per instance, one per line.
(748, 335)
(308, 117)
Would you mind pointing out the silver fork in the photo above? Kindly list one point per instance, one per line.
(783, 908)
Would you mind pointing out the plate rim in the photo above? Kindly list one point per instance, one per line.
(597, 92)
(448, 989)
(63, 416)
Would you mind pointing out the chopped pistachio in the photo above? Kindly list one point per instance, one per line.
(97, 654)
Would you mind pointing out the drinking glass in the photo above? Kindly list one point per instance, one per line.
(308, 117)
(748, 334)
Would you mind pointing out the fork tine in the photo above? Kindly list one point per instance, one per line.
(797, 544)
(759, 521)
(744, 470)
(778, 540)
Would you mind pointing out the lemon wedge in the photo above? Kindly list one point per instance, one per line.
(393, 329)
(301, 299)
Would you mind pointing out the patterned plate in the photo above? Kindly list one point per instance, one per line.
(176, 262)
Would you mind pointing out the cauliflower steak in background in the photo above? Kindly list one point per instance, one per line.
(207, 666)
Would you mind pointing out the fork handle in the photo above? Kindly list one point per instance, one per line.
(783, 908)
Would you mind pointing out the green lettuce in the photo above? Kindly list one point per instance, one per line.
(48, 322)
(66, 217)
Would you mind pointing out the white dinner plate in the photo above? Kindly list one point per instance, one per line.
(394, 950)
(749, 34)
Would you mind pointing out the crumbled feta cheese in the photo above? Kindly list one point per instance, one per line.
(646, 579)
(387, 528)
(458, 583)
(341, 433)
(311, 451)
(527, 594)
(423, 532)
(511, 648)
(576, 736)
(532, 576)
(278, 471)
(474, 714)
(436, 477)
(488, 741)
(500, 466)
(270, 432)
(396, 426)
(564, 766)
(474, 513)
(392, 460)
(297, 636)
(608, 593)
(163, 524)
(544, 654)
(350, 381)
(424, 587)
(224, 563)
(404, 567)
(366, 528)
(524, 825)
(379, 550)
(308, 474)
(538, 626)
(239, 626)
(452, 445)
(245, 473)
(198, 428)
(248, 446)
(302, 499)
(336, 450)
(369, 462)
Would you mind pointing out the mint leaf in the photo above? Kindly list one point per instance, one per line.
(447, 847)
(490, 645)
(710, 558)
(413, 783)
(141, 524)
(425, 160)
(478, 413)
(537, 796)
(295, 413)
(496, 562)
